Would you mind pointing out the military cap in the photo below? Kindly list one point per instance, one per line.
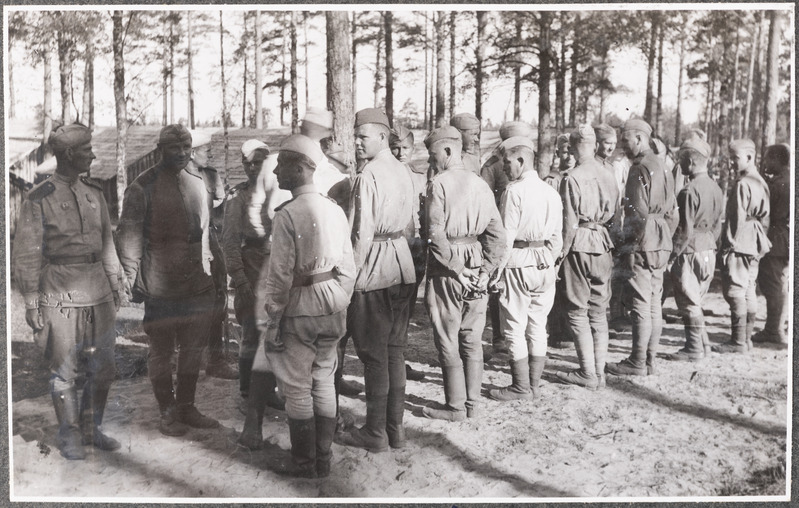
(199, 138)
(304, 145)
(582, 134)
(464, 121)
(69, 136)
(320, 117)
(742, 145)
(696, 144)
(562, 138)
(516, 142)
(399, 133)
(636, 124)
(781, 152)
(371, 115)
(604, 131)
(511, 129)
(446, 132)
(698, 133)
(174, 133)
(249, 147)
(657, 145)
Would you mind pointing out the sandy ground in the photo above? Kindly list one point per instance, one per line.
(714, 428)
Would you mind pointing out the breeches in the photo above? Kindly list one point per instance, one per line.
(691, 275)
(457, 323)
(739, 279)
(586, 282)
(523, 309)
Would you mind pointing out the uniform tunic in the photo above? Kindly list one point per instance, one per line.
(773, 273)
(309, 237)
(494, 175)
(471, 162)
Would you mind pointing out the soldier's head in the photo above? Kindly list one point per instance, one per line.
(174, 143)
(372, 131)
(401, 143)
(299, 155)
(635, 137)
(201, 148)
(72, 146)
(582, 143)
(513, 128)
(565, 157)
(317, 124)
(518, 156)
(253, 154)
(469, 127)
(443, 148)
(742, 155)
(605, 140)
(777, 160)
(693, 156)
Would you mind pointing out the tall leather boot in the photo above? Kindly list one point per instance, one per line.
(245, 372)
(188, 413)
(585, 376)
(169, 424)
(69, 434)
(325, 430)
(536, 364)
(252, 435)
(601, 339)
(455, 394)
(372, 436)
(273, 400)
(519, 388)
(394, 414)
(91, 417)
(473, 371)
(751, 317)
(302, 434)
(635, 365)
(737, 343)
(694, 349)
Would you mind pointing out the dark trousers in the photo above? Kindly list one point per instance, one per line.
(644, 292)
(217, 325)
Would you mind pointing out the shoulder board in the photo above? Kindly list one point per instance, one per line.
(280, 206)
(237, 188)
(91, 182)
(193, 170)
(41, 191)
(328, 197)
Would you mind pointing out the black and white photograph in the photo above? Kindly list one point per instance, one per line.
(416, 253)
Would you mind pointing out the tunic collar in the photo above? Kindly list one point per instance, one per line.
(304, 189)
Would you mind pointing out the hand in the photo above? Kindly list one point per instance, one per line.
(117, 300)
(34, 319)
(482, 281)
(272, 341)
(468, 278)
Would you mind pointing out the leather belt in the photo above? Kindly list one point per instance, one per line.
(523, 244)
(593, 226)
(314, 278)
(462, 240)
(752, 219)
(74, 260)
(385, 237)
(256, 242)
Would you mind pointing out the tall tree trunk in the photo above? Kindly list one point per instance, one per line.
(735, 114)
(65, 71)
(305, 46)
(171, 73)
(756, 128)
(339, 79)
(244, 76)
(224, 95)
(602, 91)
(649, 108)
(745, 119)
(545, 150)
(441, 82)
(11, 95)
(428, 76)
(87, 116)
(678, 121)
(560, 78)
(295, 114)
(478, 67)
(120, 105)
(165, 78)
(772, 80)
(354, 39)
(659, 103)
(259, 83)
(283, 104)
(452, 55)
(573, 72)
(47, 102)
(722, 130)
(190, 71)
(388, 23)
(378, 67)
(517, 75)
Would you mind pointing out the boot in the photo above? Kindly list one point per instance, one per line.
(585, 376)
(219, 368)
(69, 434)
(650, 363)
(91, 417)
(303, 449)
(600, 356)
(168, 425)
(455, 394)
(413, 375)
(536, 365)
(372, 436)
(348, 388)
(473, 370)
(245, 372)
(751, 317)
(636, 364)
(394, 412)
(273, 399)
(251, 435)
(325, 430)
(737, 343)
(189, 415)
(626, 367)
(519, 388)
(694, 349)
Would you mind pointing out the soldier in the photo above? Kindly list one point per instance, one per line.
(165, 247)
(563, 163)
(401, 143)
(469, 127)
(648, 223)
(466, 242)
(381, 220)
(743, 243)
(67, 270)
(310, 281)
(694, 254)
(589, 197)
(531, 213)
(773, 273)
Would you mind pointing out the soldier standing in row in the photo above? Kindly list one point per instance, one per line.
(743, 243)
(469, 127)
(466, 242)
(67, 270)
(531, 213)
(694, 254)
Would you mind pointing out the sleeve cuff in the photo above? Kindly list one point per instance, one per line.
(31, 300)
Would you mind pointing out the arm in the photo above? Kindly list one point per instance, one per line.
(131, 231)
(361, 220)
(437, 241)
(281, 268)
(494, 238)
(685, 227)
(636, 207)
(570, 201)
(110, 260)
(231, 240)
(510, 213)
(555, 240)
(28, 252)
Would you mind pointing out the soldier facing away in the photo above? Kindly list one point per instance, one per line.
(469, 127)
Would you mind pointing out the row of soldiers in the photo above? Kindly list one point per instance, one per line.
(343, 257)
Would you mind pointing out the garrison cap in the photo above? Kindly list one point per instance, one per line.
(696, 144)
(698, 133)
(636, 124)
(249, 147)
(321, 117)
(739, 145)
(511, 129)
(562, 138)
(604, 131)
(399, 133)
(69, 136)
(516, 142)
(304, 145)
(199, 138)
(446, 132)
(781, 152)
(174, 133)
(371, 115)
(464, 121)
(582, 134)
